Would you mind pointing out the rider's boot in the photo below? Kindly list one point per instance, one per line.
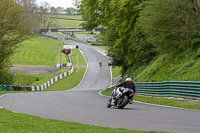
(131, 100)
(113, 101)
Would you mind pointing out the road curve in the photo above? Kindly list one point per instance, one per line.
(83, 104)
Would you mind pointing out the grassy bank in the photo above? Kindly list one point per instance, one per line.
(170, 67)
(36, 51)
(183, 103)
(39, 51)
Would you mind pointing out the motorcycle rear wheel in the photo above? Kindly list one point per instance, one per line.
(123, 103)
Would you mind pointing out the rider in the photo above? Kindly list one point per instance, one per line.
(127, 84)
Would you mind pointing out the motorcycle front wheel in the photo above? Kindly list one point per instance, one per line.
(109, 103)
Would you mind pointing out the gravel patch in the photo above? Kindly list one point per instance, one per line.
(34, 69)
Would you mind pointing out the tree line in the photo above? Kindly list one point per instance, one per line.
(137, 31)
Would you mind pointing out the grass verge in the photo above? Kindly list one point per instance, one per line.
(69, 81)
(22, 123)
(116, 71)
(182, 103)
(6, 92)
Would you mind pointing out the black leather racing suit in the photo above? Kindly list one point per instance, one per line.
(127, 84)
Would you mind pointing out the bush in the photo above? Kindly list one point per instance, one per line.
(23, 79)
(5, 77)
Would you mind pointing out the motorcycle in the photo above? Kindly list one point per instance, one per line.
(123, 99)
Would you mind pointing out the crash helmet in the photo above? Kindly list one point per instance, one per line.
(128, 79)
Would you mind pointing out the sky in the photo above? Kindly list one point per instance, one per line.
(56, 3)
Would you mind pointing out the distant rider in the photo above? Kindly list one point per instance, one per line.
(127, 84)
(100, 64)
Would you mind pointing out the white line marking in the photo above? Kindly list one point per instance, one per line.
(165, 106)
(116, 77)
(111, 76)
(3, 95)
(105, 89)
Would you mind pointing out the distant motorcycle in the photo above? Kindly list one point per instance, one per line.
(122, 100)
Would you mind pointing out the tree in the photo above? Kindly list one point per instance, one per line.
(51, 18)
(118, 17)
(60, 10)
(71, 11)
(90, 11)
(30, 11)
(171, 25)
(13, 30)
(46, 15)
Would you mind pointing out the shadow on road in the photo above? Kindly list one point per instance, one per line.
(125, 108)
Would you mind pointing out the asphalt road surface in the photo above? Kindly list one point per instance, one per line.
(83, 104)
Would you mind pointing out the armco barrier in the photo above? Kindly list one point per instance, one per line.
(180, 89)
(6, 87)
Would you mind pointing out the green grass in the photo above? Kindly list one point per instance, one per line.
(70, 16)
(183, 103)
(21, 123)
(116, 71)
(6, 92)
(101, 47)
(183, 66)
(42, 79)
(30, 79)
(61, 23)
(63, 70)
(77, 58)
(36, 51)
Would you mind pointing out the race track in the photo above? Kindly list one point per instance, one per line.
(83, 104)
